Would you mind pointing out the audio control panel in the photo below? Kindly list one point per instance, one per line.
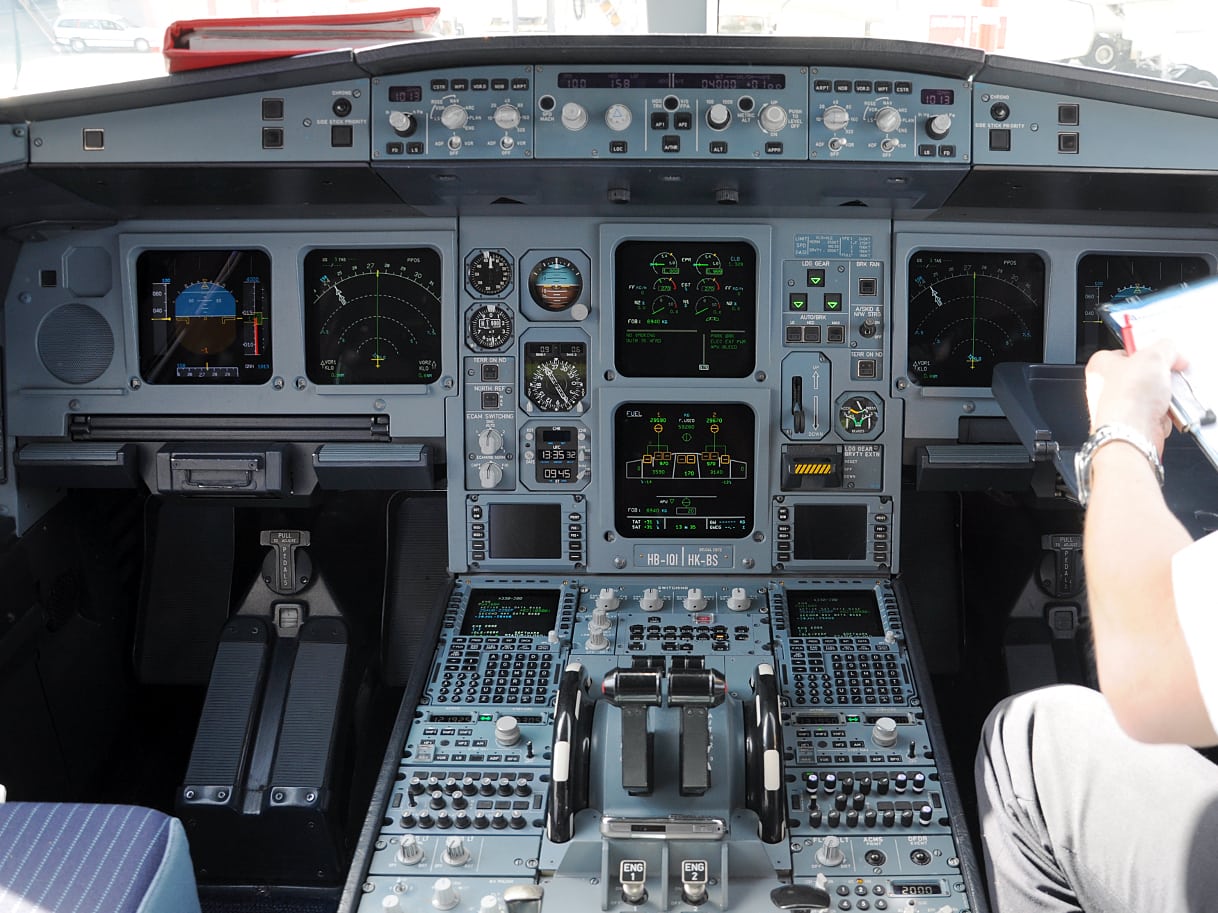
(640, 744)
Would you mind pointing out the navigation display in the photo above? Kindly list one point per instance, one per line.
(683, 470)
(507, 613)
(204, 316)
(834, 613)
(685, 308)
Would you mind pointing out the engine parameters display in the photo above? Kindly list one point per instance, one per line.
(509, 613)
(970, 310)
(685, 308)
(372, 316)
(683, 471)
(1115, 277)
(834, 613)
(204, 316)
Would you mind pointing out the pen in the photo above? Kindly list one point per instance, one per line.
(1127, 336)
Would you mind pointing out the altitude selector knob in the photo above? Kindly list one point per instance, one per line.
(454, 117)
(888, 119)
(574, 116)
(773, 118)
(835, 117)
(718, 116)
(507, 117)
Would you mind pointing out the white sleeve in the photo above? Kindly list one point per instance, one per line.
(1193, 587)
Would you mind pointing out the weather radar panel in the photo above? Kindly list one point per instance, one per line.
(204, 316)
(970, 310)
(373, 316)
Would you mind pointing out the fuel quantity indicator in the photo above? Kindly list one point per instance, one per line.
(969, 310)
(373, 316)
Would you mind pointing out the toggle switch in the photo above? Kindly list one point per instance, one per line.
(633, 876)
(693, 881)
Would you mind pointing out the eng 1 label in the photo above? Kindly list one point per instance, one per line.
(705, 557)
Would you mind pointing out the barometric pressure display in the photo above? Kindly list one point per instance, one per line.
(373, 316)
(1114, 277)
(205, 316)
(683, 470)
(970, 310)
(685, 308)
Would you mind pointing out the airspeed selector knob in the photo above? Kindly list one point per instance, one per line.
(888, 119)
(454, 117)
(718, 116)
(402, 122)
(574, 116)
(835, 117)
(773, 118)
(939, 126)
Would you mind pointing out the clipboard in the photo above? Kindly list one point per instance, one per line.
(1188, 316)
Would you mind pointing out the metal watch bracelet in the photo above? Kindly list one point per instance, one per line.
(1106, 434)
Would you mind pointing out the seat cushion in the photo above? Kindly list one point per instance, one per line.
(61, 857)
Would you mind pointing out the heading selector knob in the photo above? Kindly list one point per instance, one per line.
(718, 116)
(835, 117)
(403, 123)
(454, 117)
(888, 119)
(618, 117)
(772, 118)
(574, 116)
(507, 117)
(939, 126)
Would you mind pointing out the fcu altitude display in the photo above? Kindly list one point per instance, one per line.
(205, 316)
(970, 310)
(373, 316)
(685, 309)
(683, 470)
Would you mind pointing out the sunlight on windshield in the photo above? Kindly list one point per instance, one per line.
(49, 46)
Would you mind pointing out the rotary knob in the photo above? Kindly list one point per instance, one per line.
(718, 116)
(403, 123)
(490, 475)
(599, 621)
(939, 126)
(444, 894)
(455, 852)
(651, 600)
(618, 117)
(830, 853)
(409, 850)
(607, 599)
(507, 731)
(694, 600)
(454, 117)
(884, 732)
(574, 116)
(888, 119)
(489, 904)
(835, 117)
(490, 440)
(507, 117)
(773, 118)
(739, 600)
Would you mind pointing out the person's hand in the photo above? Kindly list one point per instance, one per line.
(1134, 390)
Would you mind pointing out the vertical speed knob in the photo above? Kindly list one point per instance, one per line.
(835, 117)
(939, 126)
(773, 118)
(507, 117)
(402, 122)
(718, 116)
(454, 117)
(574, 116)
(888, 119)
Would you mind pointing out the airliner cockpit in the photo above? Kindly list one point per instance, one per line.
(586, 456)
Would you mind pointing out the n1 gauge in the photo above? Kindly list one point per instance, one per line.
(373, 316)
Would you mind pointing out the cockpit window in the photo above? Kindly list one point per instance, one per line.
(48, 46)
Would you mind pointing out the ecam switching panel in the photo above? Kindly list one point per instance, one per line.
(686, 744)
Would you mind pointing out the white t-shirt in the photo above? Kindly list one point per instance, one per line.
(1193, 573)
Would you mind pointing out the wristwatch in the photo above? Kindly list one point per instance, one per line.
(1106, 434)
